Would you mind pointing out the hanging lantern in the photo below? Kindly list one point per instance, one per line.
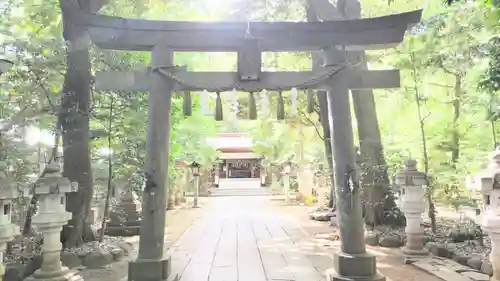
(293, 97)
(204, 102)
(218, 108)
(187, 105)
(252, 107)
(310, 101)
(280, 114)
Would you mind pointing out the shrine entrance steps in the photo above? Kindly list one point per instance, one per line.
(239, 187)
(263, 191)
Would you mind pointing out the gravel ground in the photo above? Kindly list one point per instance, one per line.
(107, 244)
(23, 248)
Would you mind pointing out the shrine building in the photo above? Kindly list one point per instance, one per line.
(237, 163)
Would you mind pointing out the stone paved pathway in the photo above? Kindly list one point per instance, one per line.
(252, 239)
(242, 239)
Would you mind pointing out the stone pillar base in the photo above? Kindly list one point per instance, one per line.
(347, 267)
(414, 252)
(334, 276)
(65, 274)
(151, 270)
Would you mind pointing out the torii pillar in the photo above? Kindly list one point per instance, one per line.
(350, 262)
(151, 263)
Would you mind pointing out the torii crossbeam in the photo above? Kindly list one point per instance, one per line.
(142, 35)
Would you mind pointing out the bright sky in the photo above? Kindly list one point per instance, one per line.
(228, 142)
(36, 136)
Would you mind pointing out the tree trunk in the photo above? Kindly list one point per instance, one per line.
(377, 196)
(317, 61)
(455, 136)
(421, 121)
(327, 139)
(75, 123)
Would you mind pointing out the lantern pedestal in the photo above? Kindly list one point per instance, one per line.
(50, 225)
(490, 221)
(414, 236)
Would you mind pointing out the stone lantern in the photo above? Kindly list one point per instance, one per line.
(7, 230)
(49, 220)
(413, 205)
(195, 171)
(488, 182)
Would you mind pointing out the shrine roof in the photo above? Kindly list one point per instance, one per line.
(232, 142)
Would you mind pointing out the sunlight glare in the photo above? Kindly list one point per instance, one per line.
(104, 151)
(34, 136)
(219, 6)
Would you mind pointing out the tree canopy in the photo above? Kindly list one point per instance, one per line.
(447, 107)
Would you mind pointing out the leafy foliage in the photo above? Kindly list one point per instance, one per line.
(457, 64)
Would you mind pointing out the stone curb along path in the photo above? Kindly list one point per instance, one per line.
(448, 270)
(479, 263)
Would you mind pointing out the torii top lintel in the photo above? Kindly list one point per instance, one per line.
(141, 35)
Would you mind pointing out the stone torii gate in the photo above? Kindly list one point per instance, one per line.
(249, 40)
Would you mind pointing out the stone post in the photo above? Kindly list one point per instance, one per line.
(263, 174)
(413, 205)
(217, 175)
(196, 189)
(351, 261)
(50, 219)
(177, 195)
(8, 230)
(489, 185)
(286, 182)
(151, 263)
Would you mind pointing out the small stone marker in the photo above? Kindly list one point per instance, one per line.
(125, 218)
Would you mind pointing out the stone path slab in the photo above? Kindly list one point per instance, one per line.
(244, 239)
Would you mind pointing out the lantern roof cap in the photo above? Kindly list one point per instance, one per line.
(493, 168)
(410, 169)
(410, 174)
